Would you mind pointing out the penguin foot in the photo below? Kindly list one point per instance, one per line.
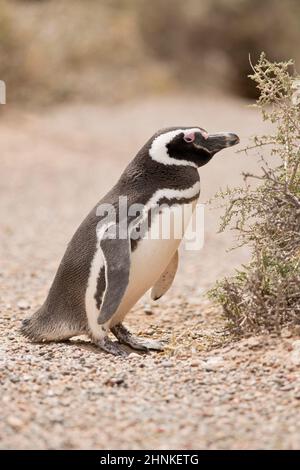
(111, 347)
(141, 344)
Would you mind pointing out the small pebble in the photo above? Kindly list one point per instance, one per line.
(286, 333)
(15, 422)
(213, 363)
(23, 305)
(166, 364)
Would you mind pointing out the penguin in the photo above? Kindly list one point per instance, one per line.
(111, 261)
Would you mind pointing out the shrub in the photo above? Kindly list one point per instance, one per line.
(265, 294)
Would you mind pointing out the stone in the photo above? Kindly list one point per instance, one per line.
(166, 364)
(15, 422)
(295, 357)
(148, 310)
(253, 343)
(23, 305)
(213, 363)
(296, 345)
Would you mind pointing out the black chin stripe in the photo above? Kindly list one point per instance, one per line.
(145, 225)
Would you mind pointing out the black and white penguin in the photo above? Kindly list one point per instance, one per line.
(105, 270)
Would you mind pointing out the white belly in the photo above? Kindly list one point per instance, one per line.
(153, 254)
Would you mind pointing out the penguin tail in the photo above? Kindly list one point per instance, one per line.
(42, 327)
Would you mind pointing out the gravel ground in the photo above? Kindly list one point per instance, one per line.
(205, 391)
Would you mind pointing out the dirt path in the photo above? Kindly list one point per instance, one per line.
(54, 166)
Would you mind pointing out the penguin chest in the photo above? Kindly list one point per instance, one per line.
(153, 253)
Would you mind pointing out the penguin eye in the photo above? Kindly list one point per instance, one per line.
(190, 137)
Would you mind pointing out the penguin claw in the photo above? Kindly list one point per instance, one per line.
(111, 347)
(136, 345)
(141, 344)
(151, 344)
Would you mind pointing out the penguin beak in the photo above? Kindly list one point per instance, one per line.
(216, 142)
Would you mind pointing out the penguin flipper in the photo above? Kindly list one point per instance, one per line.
(165, 281)
(116, 253)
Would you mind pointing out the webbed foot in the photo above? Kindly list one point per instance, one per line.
(111, 347)
(141, 344)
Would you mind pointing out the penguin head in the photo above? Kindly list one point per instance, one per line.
(191, 145)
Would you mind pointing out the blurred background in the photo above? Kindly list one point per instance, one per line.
(113, 50)
(88, 82)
